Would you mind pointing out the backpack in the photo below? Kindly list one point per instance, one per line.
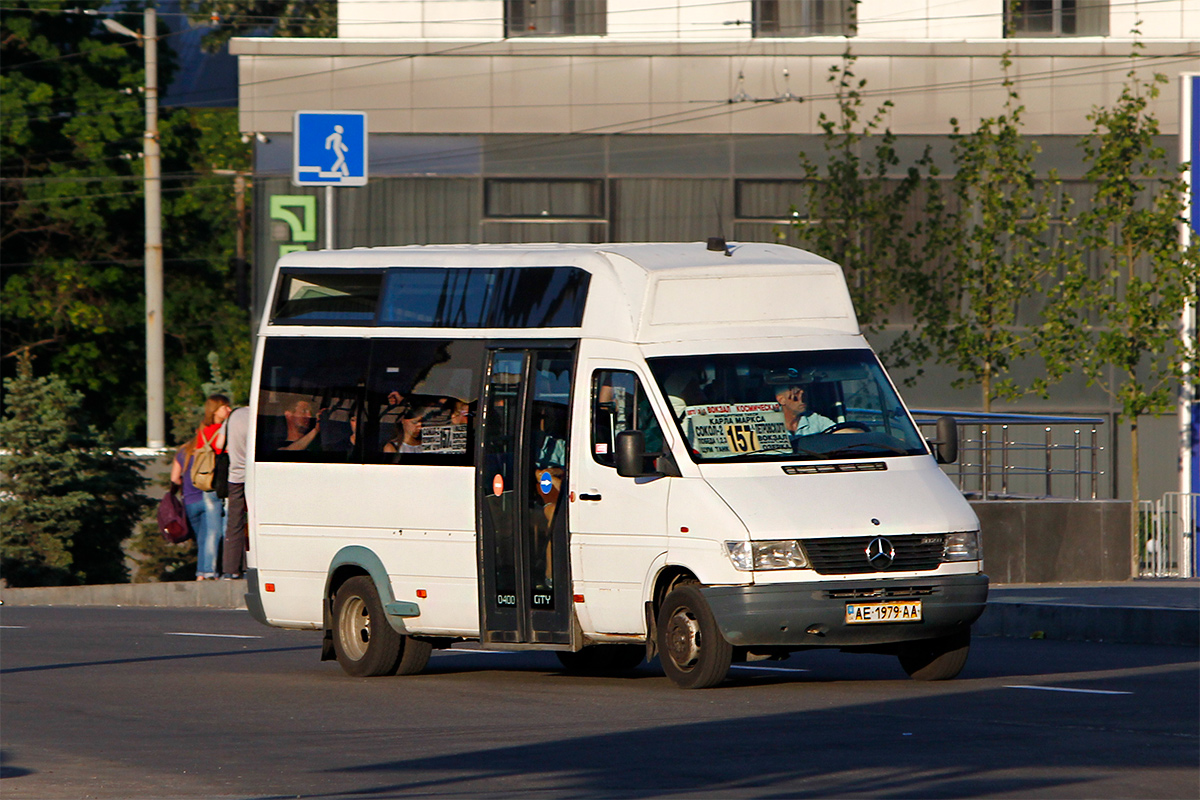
(172, 521)
(204, 465)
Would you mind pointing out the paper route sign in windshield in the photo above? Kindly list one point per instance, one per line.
(725, 429)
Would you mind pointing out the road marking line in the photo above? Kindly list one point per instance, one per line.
(771, 669)
(1064, 689)
(13, 627)
(474, 652)
(213, 635)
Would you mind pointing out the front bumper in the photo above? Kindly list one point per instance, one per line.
(813, 614)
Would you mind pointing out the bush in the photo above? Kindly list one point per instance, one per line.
(68, 497)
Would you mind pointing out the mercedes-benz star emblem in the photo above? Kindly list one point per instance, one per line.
(880, 553)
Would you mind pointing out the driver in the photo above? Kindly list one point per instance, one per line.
(798, 418)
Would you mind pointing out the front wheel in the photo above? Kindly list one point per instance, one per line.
(364, 641)
(693, 652)
(936, 659)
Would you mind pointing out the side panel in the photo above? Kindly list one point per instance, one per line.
(618, 525)
(419, 521)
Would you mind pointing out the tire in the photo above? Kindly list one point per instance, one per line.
(414, 655)
(603, 658)
(691, 648)
(364, 641)
(936, 659)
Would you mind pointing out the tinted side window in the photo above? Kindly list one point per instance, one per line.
(421, 401)
(539, 297)
(436, 298)
(344, 297)
(459, 297)
(310, 393)
(619, 403)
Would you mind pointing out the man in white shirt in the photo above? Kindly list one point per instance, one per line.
(237, 430)
(799, 420)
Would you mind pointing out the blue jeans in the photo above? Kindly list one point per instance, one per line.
(207, 518)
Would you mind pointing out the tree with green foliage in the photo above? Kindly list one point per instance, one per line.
(285, 18)
(859, 214)
(999, 252)
(68, 498)
(1116, 315)
(71, 219)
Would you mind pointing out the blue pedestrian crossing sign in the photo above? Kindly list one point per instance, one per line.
(329, 148)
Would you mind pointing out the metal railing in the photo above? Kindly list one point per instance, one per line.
(1024, 456)
(1167, 534)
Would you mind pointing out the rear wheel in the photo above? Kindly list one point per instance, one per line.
(414, 655)
(364, 641)
(601, 658)
(693, 652)
(936, 659)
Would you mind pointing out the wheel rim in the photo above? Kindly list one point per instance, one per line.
(354, 628)
(683, 639)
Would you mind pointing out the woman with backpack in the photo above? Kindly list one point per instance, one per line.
(193, 470)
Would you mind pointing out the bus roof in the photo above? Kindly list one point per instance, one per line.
(656, 292)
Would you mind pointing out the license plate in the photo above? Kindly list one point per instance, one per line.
(861, 613)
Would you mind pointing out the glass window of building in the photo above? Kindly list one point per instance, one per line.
(805, 17)
(1024, 18)
(555, 17)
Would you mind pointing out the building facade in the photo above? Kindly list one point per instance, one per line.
(614, 120)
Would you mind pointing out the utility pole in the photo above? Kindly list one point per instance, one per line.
(155, 360)
(156, 411)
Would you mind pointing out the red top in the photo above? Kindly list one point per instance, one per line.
(208, 433)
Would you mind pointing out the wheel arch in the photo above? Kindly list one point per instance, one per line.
(668, 578)
(355, 560)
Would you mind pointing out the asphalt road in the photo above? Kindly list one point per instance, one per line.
(123, 703)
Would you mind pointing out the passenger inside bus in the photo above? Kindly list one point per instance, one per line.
(302, 425)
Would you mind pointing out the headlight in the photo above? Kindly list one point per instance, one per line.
(961, 546)
(779, 554)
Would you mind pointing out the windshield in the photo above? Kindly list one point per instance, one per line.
(786, 406)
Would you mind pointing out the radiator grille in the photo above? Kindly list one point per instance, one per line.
(848, 556)
(880, 592)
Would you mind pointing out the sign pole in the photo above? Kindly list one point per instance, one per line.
(329, 217)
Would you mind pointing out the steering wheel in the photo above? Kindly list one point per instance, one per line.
(848, 425)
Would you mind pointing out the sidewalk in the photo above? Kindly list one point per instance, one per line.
(182, 594)
(1134, 612)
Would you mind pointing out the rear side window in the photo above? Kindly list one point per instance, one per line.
(310, 394)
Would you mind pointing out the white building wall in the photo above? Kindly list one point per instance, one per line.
(709, 20)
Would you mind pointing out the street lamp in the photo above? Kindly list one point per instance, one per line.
(155, 384)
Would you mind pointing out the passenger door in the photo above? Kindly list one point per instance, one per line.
(522, 520)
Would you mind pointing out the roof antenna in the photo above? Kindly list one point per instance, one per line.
(717, 243)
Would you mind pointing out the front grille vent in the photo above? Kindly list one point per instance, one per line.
(848, 556)
(879, 592)
(816, 469)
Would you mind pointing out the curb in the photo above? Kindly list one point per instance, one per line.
(181, 594)
(1077, 623)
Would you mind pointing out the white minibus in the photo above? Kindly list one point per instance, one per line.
(612, 451)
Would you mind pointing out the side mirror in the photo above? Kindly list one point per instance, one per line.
(945, 449)
(631, 454)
